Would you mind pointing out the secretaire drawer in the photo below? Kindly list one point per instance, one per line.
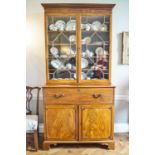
(60, 95)
(96, 95)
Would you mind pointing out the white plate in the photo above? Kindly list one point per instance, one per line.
(51, 27)
(71, 25)
(99, 50)
(60, 24)
(57, 64)
(84, 63)
(54, 51)
(72, 38)
(104, 27)
(86, 40)
(89, 53)
(96, 26)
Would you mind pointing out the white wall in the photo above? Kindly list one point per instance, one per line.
(35, 56)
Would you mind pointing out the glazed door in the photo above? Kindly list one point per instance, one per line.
(95, 48)
(61, 52)
(95, 122)
(61, 122)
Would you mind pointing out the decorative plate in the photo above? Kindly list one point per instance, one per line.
(86, 40)
(89, 53)
(86, 27)
(51, 26)
(104, 27)
(66, 50)
(54, 51)
(57, 64)
(60, 24)
(71, 25)
(99, 51)
(72, 38)
(84, 63)
(96, 25)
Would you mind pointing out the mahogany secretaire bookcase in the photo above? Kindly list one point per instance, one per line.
(78, 96)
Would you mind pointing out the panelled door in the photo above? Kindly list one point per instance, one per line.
(61, 122)
(95, 122)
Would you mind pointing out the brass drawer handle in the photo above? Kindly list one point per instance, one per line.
(97, 95)
(59, 95)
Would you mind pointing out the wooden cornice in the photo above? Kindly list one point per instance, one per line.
(77, 5)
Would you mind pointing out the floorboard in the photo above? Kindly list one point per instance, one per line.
(121, 148)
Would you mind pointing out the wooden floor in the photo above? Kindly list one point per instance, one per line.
(121, 148)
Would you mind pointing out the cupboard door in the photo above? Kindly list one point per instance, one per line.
(60, 122)
(96, 122)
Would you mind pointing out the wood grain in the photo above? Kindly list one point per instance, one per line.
(95, 122)
(60, 122)
(78, 5)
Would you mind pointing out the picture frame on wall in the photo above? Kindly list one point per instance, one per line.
(125, 48)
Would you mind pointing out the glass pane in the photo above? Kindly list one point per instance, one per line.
(95, 47)
(61, 48)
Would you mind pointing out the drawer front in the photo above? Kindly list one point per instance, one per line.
(78, 95)
(60, 95)
(96, 95)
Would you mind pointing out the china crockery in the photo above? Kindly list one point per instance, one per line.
(72, 38)
(57, 64)
(104, 27)
(66, 50)
(86, 40)
(71, 25)
(96, 25)
(54, 51)
(69, 66)
(60, 24)
(84, 63)
(51, 26)
(99, 51)
(88, 27)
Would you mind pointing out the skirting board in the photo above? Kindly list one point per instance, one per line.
(118, 128)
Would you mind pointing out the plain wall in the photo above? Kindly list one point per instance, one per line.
(35, 53)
